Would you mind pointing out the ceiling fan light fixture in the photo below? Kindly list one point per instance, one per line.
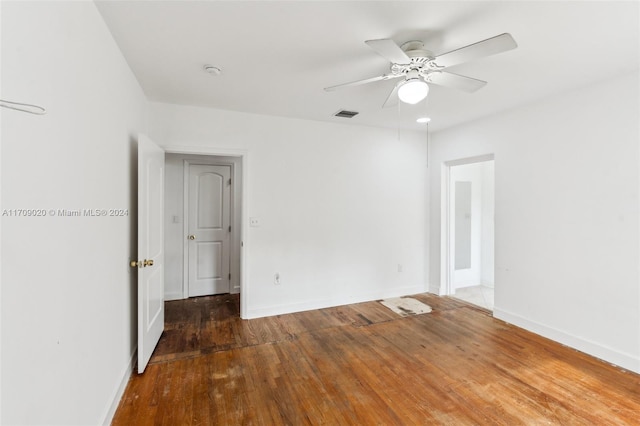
(413, 90)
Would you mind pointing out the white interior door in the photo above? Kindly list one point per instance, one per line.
(209, 229)
(150, 248)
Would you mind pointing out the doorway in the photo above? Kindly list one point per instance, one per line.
(159, 192)
(470, 230)
(203, 217)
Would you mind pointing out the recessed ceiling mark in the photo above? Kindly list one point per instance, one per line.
(212, 70)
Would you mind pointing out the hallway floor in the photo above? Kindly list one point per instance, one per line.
(479, 295)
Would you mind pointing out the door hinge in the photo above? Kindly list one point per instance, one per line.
(229, 228)
(229, 277)
(229, 181)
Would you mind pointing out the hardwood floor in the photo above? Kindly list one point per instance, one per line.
(364, 365)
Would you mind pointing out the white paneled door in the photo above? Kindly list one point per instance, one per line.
(209, 229)
(150, 261)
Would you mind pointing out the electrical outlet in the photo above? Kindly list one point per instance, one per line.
(276, 279)
(254, 222)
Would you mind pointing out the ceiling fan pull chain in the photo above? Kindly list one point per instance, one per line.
(398, 119)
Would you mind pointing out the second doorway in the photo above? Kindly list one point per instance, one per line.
(471, 221)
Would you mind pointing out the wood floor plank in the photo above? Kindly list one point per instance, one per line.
(363, 364)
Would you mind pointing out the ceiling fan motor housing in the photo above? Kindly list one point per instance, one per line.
(421, 61)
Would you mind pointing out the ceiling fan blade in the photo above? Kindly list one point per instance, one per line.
(491, 46)
(392, 99)
(389, 50)
(360, 82)
(456, 81)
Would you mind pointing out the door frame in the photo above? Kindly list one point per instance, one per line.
(446, 261)
(243, 154)
(234, 251)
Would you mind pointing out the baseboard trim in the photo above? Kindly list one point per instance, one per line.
(124, 380)
(613, 356)
(330, 303)
(436, 290)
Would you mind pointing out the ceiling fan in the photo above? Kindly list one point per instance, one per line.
(418, 66)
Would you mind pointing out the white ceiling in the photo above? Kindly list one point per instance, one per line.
(277, 57)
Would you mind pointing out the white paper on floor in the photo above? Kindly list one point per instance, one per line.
(406, 306)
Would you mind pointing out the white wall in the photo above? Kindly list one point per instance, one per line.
(174, 235)
(340, 206)
(566, 215)
(68, 296)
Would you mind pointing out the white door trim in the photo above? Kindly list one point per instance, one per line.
(446, 263)
(445, 238)
(243, 154)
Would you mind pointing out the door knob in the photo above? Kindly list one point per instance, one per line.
(135, 264)
(147, 262)
(192, 237)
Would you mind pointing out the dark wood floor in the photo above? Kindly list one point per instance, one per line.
(364, 365)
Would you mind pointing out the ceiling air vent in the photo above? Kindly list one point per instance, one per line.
(345, 114)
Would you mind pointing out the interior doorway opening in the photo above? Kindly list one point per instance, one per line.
(158, 192)
(203, 207)
(470, 230)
